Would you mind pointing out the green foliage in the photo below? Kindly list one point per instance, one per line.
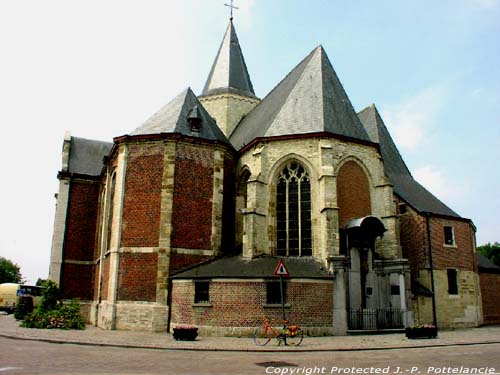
(51, 313)
(9, 272)
(41, 282)
(51, 296)
(24, 307)
(65, 317)
(491, 251)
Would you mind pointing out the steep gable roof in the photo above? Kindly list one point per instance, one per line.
(309, 99)
(173, 118)
(398, 173)
(229, 72)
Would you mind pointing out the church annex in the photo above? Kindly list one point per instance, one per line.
(182, 220)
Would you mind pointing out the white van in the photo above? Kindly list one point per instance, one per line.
(10, 293)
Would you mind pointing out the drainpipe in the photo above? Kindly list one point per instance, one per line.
(429, 243)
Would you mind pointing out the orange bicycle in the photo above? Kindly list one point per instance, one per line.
(288, 335)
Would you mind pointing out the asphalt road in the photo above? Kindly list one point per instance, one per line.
(33, 357)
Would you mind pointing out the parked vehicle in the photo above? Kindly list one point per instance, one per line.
(10, 293)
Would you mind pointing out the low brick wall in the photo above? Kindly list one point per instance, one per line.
(237, 307)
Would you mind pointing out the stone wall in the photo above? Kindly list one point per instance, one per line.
(238, 306)
(322, 157)
(228, 109)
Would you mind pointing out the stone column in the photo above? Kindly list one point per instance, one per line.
(338, 265)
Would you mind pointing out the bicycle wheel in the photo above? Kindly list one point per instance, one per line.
(261, 336)
(296, 338)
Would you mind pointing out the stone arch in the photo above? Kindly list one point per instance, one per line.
(354, 198)
(291, 207)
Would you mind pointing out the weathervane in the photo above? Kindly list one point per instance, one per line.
(231, 6)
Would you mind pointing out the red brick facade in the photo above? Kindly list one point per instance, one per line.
(137, 277)
(353, 193)
(142, 202)
(193, 197)
(413, 229)
(243, 304)
(490, 292)
(76, 281)
(80, 241)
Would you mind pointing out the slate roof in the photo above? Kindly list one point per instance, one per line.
(398, 173)
(259, 267)
(309, 99)
(229, 72)
(486, 265)
(86, 156)
(173, 118)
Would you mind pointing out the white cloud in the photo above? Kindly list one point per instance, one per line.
(486, 4)
(410, 120)
(434, 180)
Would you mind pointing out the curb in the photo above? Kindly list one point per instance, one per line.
(300, 350)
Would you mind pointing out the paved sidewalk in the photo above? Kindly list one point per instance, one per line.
(9, 327)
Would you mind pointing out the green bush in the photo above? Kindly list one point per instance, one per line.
(51, 313)
(64, 317)
(24, 307)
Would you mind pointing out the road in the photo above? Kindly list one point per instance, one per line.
(33, 357)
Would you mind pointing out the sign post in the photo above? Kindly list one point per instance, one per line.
(281, 271)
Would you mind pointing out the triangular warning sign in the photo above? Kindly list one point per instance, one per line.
(280, 269)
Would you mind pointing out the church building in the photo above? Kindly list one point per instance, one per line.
(183, 220)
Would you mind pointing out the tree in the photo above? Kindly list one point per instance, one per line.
(9, 272)
(491, 251)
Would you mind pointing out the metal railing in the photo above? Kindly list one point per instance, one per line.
(375, 319)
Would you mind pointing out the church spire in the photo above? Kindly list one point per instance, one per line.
(229, 72)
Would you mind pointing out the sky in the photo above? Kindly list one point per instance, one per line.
(99, 69)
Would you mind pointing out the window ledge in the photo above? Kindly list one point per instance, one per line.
(450, 246)
(453, 296)
(275, 305)
(202, 304)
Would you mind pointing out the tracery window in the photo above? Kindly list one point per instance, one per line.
(293, 211)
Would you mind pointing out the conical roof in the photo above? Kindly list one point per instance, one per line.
(229, 72)
(396, 170)
(174, 118)
(309, 99)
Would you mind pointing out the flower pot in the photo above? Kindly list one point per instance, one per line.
(185, 333)
(421, 332)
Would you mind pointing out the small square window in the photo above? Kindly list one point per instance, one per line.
(395, 290)
(201, 292)
(402, 208)
(273, 292)
(449, 236)
(452, 281)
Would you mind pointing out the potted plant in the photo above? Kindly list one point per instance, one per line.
(422, 331)
(185, 333)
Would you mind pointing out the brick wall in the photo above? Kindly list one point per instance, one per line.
(413, 229)
(81, 221)
(353, 193)
(142, 202)
(76, 281)
(490, 290)
(193, 196)
(228, 206)
(137, 277)
(79, 245)
(241, 304)
(461, 255)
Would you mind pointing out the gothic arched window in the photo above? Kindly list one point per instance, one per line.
(293, 211)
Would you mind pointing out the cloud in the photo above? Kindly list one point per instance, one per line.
(439, 184)
(486, 4)
(409, 121)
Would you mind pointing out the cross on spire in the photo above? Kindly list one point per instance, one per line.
(231, 6)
